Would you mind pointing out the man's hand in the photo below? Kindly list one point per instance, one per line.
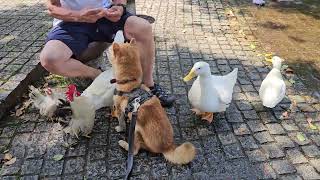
(114, 13)
(91, 15)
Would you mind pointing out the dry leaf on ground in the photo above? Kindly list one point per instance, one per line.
(57, 157)
(11, 161)
(7, 156)
(311, 125)
(300, 137)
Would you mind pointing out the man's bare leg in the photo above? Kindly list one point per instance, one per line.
(141, 30)
(56, 58)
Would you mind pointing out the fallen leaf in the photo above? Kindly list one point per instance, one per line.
(24, 106)
(311, 125)
(5, 151)
(11, 161)
(253, 46)
(300, 137)
(289, 70)
(284, 67)
(57, 157)
(19, 112)
(259, 55)
(285, 115)
(292, 81)
(7, 157)
(184, 31)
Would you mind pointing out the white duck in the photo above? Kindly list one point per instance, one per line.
(210, 93)
(273, 88)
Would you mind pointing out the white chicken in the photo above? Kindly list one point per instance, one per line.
(83, 114)
(100, 92)
(47, 104)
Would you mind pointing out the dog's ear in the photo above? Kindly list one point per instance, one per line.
(133, 41)
(116, 48)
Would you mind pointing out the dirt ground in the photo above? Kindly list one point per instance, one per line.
(291, 30)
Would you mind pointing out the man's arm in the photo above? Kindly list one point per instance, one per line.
(56, 11)
(87, 15)
(119, 2)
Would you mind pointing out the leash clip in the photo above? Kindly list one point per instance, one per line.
(136, 104)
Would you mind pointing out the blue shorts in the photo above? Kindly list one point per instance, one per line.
(77, 35)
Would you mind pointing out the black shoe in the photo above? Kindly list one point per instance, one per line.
(165, 99)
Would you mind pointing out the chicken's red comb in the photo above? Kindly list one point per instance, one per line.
(72, 91)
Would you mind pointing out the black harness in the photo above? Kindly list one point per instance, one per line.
(136, 97)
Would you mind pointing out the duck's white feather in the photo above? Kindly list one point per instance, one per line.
(210, 93)
(272, 89)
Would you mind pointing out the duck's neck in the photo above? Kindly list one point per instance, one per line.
(203, 79)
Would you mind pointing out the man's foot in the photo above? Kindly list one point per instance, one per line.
(165, 99)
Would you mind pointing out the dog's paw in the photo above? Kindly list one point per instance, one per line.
(123, 144)
(120, 129)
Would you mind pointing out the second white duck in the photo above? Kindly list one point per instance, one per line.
(273, 88)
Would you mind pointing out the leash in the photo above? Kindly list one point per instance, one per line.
(136, 97)
(135, 105)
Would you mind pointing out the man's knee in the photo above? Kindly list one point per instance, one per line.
(138, 28)
(48, 61)
(54, 52)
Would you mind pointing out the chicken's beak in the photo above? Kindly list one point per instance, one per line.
(191, 75)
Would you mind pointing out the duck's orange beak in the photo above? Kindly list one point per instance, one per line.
(191, 75)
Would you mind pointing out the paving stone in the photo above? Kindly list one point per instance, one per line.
(273, 150)
(52, 168)
(257, 155)
(210, 143)
(32, 177)
(97, 153)
(32, 166)
(307, 172)
(311, 151)
(316, 164)
(241, 129)
(256, 126)
(234, 117)
(289, 126)
(77, 150)
(244, 105)
(316, 139)
(293, 136)
(250, 114)
(227, 138)
(284, 142)
(8, 131)
(233, 151)
(290, 177)
(74, 165)
(181, 172)
(98, 168)
(282, 167)
(247, 142)
(264, 171)
(275, 128)
(295, 156)
(263, 137)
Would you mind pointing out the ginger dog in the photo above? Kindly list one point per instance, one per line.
(153, 130)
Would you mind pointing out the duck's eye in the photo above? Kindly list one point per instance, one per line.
(199, 68)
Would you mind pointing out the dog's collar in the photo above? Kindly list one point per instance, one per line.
(112, 81)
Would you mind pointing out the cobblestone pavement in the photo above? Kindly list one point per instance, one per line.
(23, 25)
(247, 142)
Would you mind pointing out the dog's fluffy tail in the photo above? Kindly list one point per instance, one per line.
(182, 154)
